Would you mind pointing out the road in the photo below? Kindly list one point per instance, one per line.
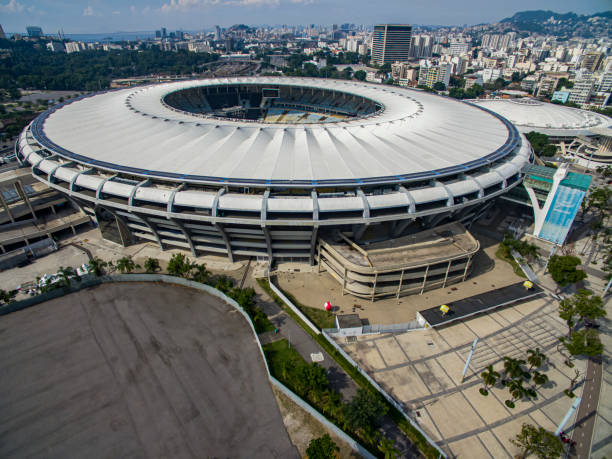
(585, 420)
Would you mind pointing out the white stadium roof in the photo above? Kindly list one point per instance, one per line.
(551, 119)
(416, 135)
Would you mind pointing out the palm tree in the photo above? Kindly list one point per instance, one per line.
(515, 386)
(489, 377)
(539, 379)
(151, 265)
(536, 358)
(66, 273)
(126, 264)
(513, 368)
(387, 447)
(97, 266)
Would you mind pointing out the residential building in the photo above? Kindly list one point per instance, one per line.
(391, 43)
(592, 61)
(430, 74)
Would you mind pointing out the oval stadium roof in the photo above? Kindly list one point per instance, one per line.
(552, 119)
(416, 135)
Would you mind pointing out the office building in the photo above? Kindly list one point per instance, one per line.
(391, 43)
(34, 31)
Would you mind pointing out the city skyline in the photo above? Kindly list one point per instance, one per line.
(101, 16)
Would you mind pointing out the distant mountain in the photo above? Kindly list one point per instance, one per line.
(561, 24)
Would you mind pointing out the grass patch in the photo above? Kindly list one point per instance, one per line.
(501, 254)
(320, 317)
(413, 434)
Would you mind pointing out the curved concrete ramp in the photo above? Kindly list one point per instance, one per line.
(135, 370)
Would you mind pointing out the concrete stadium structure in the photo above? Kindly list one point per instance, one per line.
(582, 135)
(410, 264)
(264, 166)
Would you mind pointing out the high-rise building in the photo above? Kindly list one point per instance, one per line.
(34, 31)
(421, 46)
(592, 61)
(2, 34)
(163, 32)
(217, 33)
(391, 43)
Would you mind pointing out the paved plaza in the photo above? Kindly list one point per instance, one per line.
(422, 370)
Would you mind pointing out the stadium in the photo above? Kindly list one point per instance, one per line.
(269, 167)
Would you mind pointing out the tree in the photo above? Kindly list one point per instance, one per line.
(583, 342)
(365, 410)
(201, 274)
(563, 269)
(540, 144)
(360, 75)
(489, 377)
(387, 447)
(516, 389)
(7, 297)
(66, 274)
(97, 266)
(535, 358)
(151, 265)
(564, 83)
(599, 199)
(513, 368)
(539, 442)
(126, 264)
(179, 265)
(322, 448)
(581, 308)
(570, 390)
(439, 86)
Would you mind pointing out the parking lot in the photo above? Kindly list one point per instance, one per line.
(135, 370)
(422, 370)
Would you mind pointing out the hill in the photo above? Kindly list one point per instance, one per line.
(561, 24)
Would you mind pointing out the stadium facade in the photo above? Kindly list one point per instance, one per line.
(267, 166)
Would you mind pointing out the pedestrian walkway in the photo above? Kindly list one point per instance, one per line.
(339, 380)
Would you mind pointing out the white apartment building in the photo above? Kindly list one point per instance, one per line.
(430, 74)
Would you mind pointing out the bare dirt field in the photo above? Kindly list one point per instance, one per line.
(135, 370)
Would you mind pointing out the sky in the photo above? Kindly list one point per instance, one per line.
(99, 16)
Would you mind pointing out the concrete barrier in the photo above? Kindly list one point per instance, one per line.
(293, 307)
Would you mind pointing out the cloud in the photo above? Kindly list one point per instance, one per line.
(88, 11)
(13, 6)
(185, 5)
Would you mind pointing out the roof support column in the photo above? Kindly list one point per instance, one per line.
(74, 179)
(313, 242)
(450, 262)
(424, 280)
(366, 205)
(451, 198)
(186, 234)
(400, 226)
(21, 192)
(219, 227)
(467, 266)
(170, 207)
(266, 231)
(6, 207)
(135, 189)
(152, 228)
(399, 287)
(101, 185)
(411, 202)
